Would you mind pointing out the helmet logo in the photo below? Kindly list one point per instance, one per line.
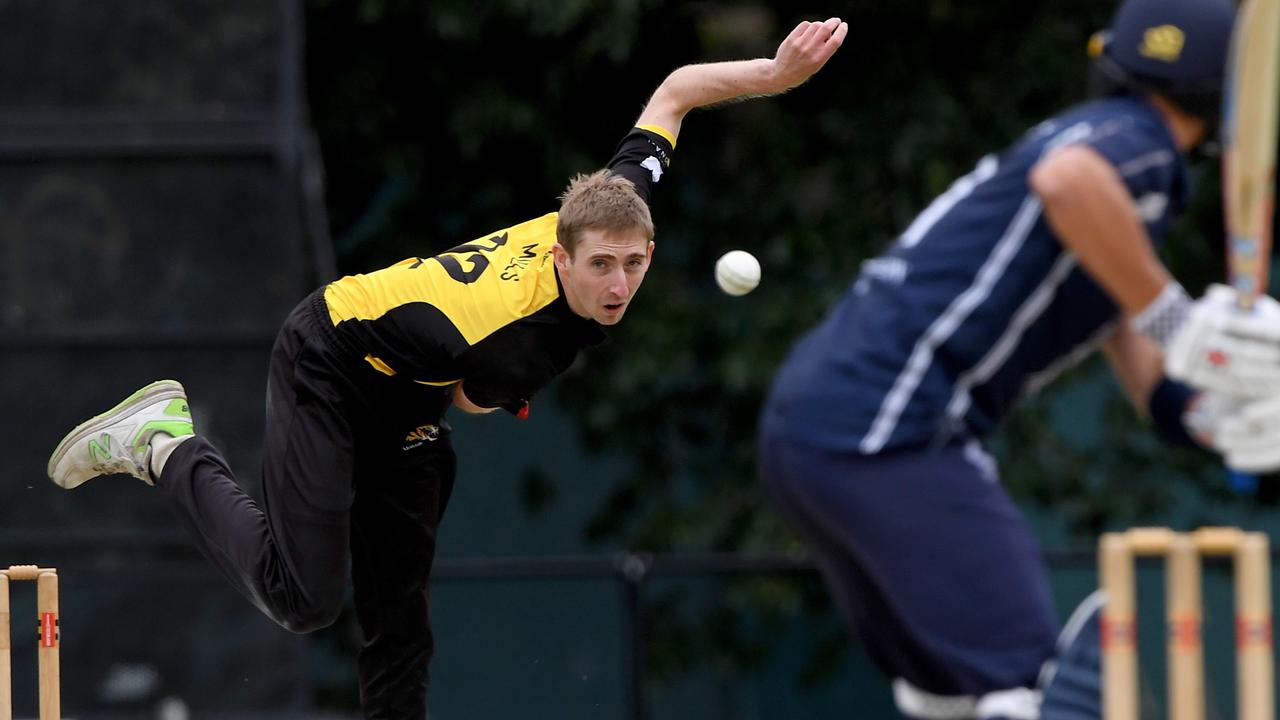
(1098, 43)
(1163, 42)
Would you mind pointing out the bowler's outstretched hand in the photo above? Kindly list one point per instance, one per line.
(809, 46)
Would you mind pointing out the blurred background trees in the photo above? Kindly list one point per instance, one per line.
(439, 121)
(160, 211)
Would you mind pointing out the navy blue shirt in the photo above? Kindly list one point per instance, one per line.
(976, 304)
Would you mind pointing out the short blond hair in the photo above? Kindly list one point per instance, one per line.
(601, 201)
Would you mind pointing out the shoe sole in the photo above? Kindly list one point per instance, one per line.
(158, 390)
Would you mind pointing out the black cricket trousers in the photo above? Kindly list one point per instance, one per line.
(357, 469)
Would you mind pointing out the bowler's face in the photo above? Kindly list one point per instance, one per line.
(604, 273)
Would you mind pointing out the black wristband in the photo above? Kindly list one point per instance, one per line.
(1166, 406)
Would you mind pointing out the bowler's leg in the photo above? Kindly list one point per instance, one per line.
(290, 554)
(401, 496)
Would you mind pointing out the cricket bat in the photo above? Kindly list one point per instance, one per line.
(1249, 112)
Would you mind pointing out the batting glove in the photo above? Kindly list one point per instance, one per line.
(1225, 349)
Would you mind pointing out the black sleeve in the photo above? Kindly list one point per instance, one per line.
(486, 398)
(508, 383)
(510, 366)
(642, 157)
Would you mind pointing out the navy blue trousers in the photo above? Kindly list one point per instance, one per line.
(934, 568)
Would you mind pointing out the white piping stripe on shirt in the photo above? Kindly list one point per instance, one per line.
(1142, 163)
(950, 320)
(1037, 382)
(1034, 306)
(947, 323)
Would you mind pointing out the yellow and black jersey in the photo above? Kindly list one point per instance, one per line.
(490, 312)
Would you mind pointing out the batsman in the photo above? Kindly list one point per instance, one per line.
(872, 438)
(357, 463)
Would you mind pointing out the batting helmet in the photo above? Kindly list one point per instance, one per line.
(1177, 48)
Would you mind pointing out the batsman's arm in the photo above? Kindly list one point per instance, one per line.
(1092, 213)
(800, 55)
(1138, 365)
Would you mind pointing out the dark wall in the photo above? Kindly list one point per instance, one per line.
(151, 225)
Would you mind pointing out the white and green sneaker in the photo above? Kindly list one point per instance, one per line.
(119, 440)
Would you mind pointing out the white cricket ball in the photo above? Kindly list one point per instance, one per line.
(737, 272)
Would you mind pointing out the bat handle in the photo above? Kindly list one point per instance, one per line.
(1242, 483)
